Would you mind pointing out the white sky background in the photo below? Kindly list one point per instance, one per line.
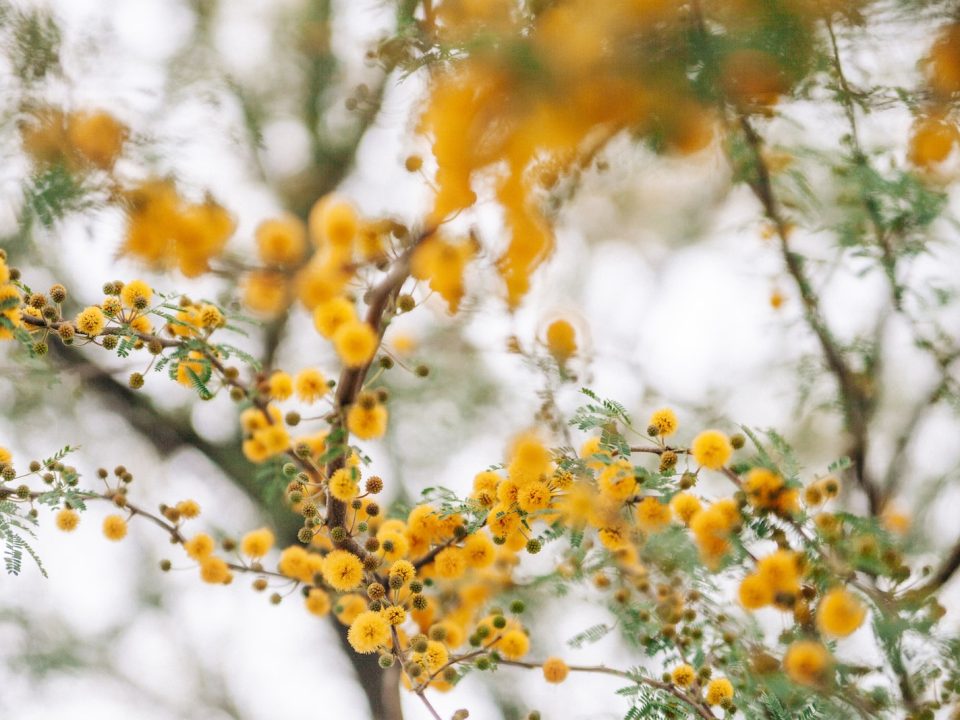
(687, 324)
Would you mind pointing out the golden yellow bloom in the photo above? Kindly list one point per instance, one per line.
(683, 675)
(533, 495)
(282, 240)
(136, 294)
(257, 543)
(561, 339)
(617, 480)
(807, 662)
(199, 546)
(67, 519)
(450, 563)
(395, 615)
(479, 550)
(91, 321)
(755, 592)
(348, 607)
(719, 691)
(334, 223)
(97, 137)
(529, 459)
(711, 449)
(685, 506)
(514, 644)
(317, 602)
(664, 422)
(355, 343)
(840, 613)
(404, 570)
(652, 515)
(280, 385)
(368, 632)
(367, 423)
(781, 571)
(188, 508)
(310, 385)
(434, 657)
(342, 570)
(330, 315)
(555, 670)
(344, 484)
(765, 490)
(114, 527)
(214, 570)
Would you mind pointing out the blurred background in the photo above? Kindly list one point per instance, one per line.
(661, 263)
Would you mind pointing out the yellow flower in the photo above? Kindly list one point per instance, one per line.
(765, 490)
(533, 495)
(781, 571)
(342, 570)
(136, 294)
(652, 515)
(479, 550)
(561, 339)
(711, 449)
(97, 137)
(344, 484)
(755, 592)
(404, 570)
(114, 527)
(617, 480)
(348, 607)
(330, 315)
(663, 422)
(685, 506)
(214, 570)
(282, 240)
(280, 385)
(807, 662)
(683, 675)
(355, 343)
(188, 508)
(199, 546)
(434, 657)
(257, 543)
(395, 615)
(310, 385)
(317, 602)
(555, 670)
(450, 563)
(333, 222)
(67, 519)
(368, 632)
(514, 644)
(840, 613)
(91, 321)
(367, 423)
(719, 691)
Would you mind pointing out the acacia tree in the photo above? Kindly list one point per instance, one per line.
(692, 536)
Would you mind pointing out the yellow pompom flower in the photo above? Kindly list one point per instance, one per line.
(199, 546)
(344, 484)
(136, 294)
(310, 385)
(214, 570)
(652, 515)
(404, 570)
(434, 657)
(188, 508)
(67, 519)
(91, 321)
(683, 675)
(514, 644)
(330, 315)
(450, 563)
(280, 385)
(711, 449)
(395, 615)
(5, 456)
(282, 240)
(663, 422)
(840, 613)
(807, 662)
(719, 691)
(367, 423)
(755, 592)
(617, 480)
(333, 222)
(114, 527)
(555, 670)
(317, 602)
(348, 607)
(685, 506)
(368, 632)
(257, 543)
(533, 495)
(97, 137)
(342, 570)
(355, 343)
(479, 551)
(781, 571)
(766, 490)
(561, 339)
